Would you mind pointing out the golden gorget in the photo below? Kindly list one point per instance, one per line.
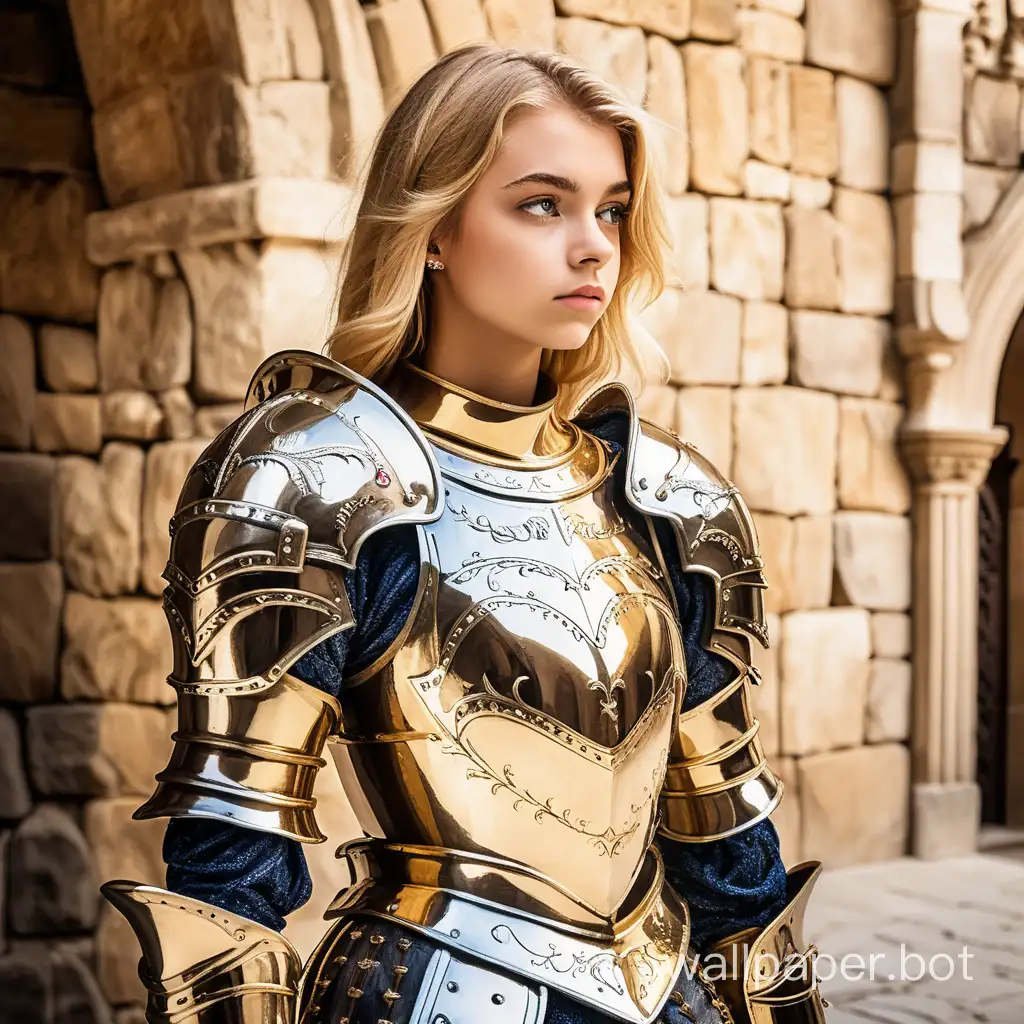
(520, 725)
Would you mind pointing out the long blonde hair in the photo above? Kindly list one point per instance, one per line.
(431, 150)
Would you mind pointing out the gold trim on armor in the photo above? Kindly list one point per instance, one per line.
(448, 413)
(718, 781)
(248, 759)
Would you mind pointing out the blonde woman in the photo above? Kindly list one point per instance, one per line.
(521, 616)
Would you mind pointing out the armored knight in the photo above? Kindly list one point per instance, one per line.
(526, 639)
(514, 751)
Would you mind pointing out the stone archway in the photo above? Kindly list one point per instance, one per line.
(949, 444)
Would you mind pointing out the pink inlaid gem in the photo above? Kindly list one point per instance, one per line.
(382, 478)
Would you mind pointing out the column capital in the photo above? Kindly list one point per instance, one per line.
(951, 456)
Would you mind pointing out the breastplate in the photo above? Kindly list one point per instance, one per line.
(526, 712)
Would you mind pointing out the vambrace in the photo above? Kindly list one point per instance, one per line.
(769, 975)
(202, 965)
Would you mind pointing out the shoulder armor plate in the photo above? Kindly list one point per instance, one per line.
(268, 519)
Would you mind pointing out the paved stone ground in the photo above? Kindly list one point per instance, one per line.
(938, 911)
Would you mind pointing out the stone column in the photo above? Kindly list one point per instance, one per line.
(948, 467)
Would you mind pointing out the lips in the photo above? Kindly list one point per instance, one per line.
(589, 291)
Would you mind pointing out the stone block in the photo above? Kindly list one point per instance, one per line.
(690, 264)
(207, 127)
(115, 650)
(718, 105)
(701, 337)
(812, 265)
(770, 118)
(15, 799)
(179, 414)
(167, 465)
(888, 703)
(945, 818)
(666, 101)
(76, 992)
(28, 508)
(983, 187)
(769, 34)
(992, 121)
(121, 847)
(304, 47)
(862, 118)
(145, 331)
(765, 181)
(792, 8)
(812, 105)
(36, 48)
(248, 304)
(403, 45)
(854, 804)
(96, 749)
(131, 415)
(68, 358)
(866, 250)
(99, 506)
(928, 237)
(704, 418)
(838, 353)
(68, 423)
(669, 18)
(748, 248)
(44, 134)
(212, 419)
(714, 20)
(26, 982)
(798, 561)
(17, 382)
(527, 24)
(890, 635)
(53, 885)
(871, 473)
(658, 404)
(116, 959)
(872, 561)
(456, 22)
(764, 358)
(786, 816)
(810, 191)
(43, 267)
(31, 595)
(824, 668)
(785, 458)
(927, 166)
(126, 47)
(320, 212)
(764, 696)
(617, 54)
(859, 39)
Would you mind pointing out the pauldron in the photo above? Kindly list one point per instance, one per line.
(718, 781)
(268, 519)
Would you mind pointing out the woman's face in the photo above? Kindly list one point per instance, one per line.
(544, 220)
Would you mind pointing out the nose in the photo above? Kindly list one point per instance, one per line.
(590, 244)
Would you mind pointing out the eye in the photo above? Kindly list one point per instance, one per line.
(551, 204)
(618, 211)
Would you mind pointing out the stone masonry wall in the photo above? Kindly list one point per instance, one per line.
(140, 288)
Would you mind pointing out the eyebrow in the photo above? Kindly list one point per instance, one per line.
(565, 184)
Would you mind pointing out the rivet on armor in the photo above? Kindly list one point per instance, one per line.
(452, 986)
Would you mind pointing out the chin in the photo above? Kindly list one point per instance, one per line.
(568, 341)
